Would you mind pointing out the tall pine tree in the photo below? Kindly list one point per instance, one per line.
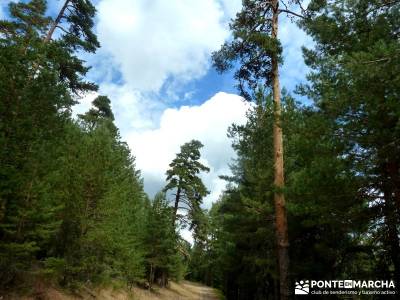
(256, 47)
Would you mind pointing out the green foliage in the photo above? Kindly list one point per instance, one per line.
(252, 47)
(182, 177)
(99, 115)
(71, 199)
(72, 205)
(355, 83)
(101, 221)
(163, 259)
(341, 161)
(32, 115)
(79, 18)
(325, 227)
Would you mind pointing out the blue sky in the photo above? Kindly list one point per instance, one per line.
(155, 66)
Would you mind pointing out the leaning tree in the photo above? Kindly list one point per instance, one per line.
(183, 179)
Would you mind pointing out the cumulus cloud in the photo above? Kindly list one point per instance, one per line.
(148, 46)
(154, 149)
(231, 7)
(149, 41)
(133, 111)
(155, 139)
(152, 41)
(293, 38)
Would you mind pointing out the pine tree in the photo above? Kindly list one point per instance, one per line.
(98, 114)
(32, 116)
(182, 177)
(326, 226)
(256, 47)
(37, 79)
(161, 241)
(78, 15)
(100, 234)
(355, 83)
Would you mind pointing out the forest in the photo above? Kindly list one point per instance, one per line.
(314, 192)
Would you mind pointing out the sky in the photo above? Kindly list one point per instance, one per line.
(154, 64)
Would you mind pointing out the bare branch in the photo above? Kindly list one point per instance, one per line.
(289, 12)
(284, 4)
(303, 10)
(66, 31)
(69, 9)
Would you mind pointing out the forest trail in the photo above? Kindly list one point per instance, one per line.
(203, 292)
(184, 290)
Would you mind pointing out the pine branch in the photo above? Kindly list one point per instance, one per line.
(56, 22)
(303, 10)
(385, 4)
(185, 208)
(382, 59)
(289, 12)
(63, 29)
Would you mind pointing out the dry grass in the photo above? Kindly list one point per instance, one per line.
(183, 291)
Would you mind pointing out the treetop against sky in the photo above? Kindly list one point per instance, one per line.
(155, 65)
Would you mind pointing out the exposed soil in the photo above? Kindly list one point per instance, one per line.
(184, 290)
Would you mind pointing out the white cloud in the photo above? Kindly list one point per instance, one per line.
(149, 45)
(152, 41)
(133, 110)
(231, 7)
(154, 149)
(293, 38)
(84, 104)
(156, 133)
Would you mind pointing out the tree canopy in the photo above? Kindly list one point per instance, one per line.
(315, 185)
(183, 178)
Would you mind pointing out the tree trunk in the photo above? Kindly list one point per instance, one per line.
(151, 276)
(279, 198)
(56, 22)
(177, 199)
(392, 241)
(393, 170)
(391, 221)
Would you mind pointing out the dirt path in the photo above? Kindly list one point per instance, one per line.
(184, 290)
(201, 292)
